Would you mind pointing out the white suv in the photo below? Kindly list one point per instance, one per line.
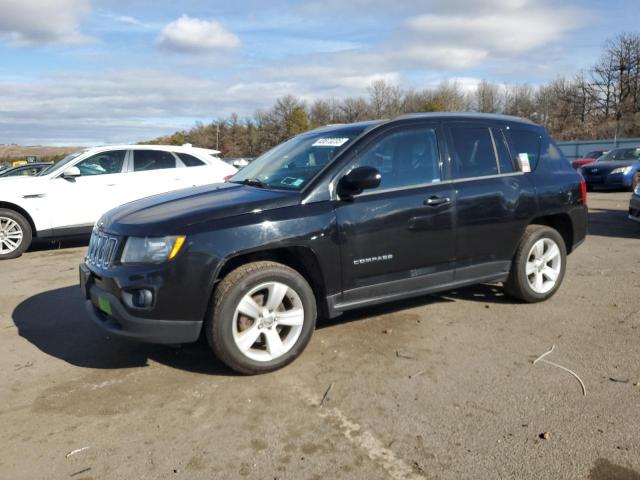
(68, 198)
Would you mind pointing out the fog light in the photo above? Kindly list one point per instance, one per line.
(141, 298)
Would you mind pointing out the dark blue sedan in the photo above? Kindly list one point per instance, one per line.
(618, 169)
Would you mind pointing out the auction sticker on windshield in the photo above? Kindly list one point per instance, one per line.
(330, 142)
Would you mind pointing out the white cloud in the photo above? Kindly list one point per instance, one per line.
(192, 35)
(469, 33)
(26, 23)
(458, 34)
(122, 105)
(128, 20)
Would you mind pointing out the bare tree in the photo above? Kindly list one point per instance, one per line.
(323, 112)
(487, 97)
(354, 110)
(385, 100)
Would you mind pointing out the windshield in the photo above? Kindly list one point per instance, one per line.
(24, 170)
(61, 164)
(292, 164)
(621, 154)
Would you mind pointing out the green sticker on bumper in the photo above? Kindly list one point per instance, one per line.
(104, 305)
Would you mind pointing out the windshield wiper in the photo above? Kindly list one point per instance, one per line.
(252, 182)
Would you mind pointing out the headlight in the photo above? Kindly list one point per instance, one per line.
(623, 170)
(151, 249)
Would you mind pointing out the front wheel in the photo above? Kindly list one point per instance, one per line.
(262, 318)
(538, 266)
(15, 234)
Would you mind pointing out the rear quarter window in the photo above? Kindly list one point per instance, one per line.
(551, 155)
(526, 143)
(189, 160)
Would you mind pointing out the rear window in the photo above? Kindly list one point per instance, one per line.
(189, 160)
(526, 144)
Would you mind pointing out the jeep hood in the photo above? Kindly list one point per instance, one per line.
(182, 211)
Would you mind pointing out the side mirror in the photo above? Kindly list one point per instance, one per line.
(71, 172)
(357, 180)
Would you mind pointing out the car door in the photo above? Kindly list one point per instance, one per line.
(152, 172)
(80, 201)
(494, 199)
(398, 238)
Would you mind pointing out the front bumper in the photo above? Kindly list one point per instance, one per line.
(107, 310)
(634, 208)
(607, 181)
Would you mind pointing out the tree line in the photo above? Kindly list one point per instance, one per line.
(602, 101)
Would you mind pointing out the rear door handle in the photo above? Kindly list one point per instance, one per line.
(436, 201)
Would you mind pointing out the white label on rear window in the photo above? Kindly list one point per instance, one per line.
(525, 166)
(330, 142)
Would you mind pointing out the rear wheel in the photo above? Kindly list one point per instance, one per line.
(263, 316)
(15, 234)
(538, 266)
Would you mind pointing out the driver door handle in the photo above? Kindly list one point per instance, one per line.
(436, 201)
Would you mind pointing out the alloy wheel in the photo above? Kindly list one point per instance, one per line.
(544, 264)
(268, 321)
(11, 235)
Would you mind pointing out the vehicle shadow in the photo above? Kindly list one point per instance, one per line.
(56, 323)
(605, 222)
(39, 245)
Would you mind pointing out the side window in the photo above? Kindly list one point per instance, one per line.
(504, 157)
(144, 160)
(189, 160)
(472, 151)
(102, 163)
(526, 144)
(404, 158)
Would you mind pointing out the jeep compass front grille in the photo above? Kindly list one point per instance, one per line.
(102, 249)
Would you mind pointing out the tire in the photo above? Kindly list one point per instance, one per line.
(245, 340)
(15, 234)
(541, 264)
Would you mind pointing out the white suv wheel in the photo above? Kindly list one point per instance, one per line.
(11, 235)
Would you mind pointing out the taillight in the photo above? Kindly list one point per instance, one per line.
(583, 190)
(227, 178)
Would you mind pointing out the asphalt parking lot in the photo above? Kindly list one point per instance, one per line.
(438, 387)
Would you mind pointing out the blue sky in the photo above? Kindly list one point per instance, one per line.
(98, 71)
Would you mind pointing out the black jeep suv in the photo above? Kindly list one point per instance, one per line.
(338, 218)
